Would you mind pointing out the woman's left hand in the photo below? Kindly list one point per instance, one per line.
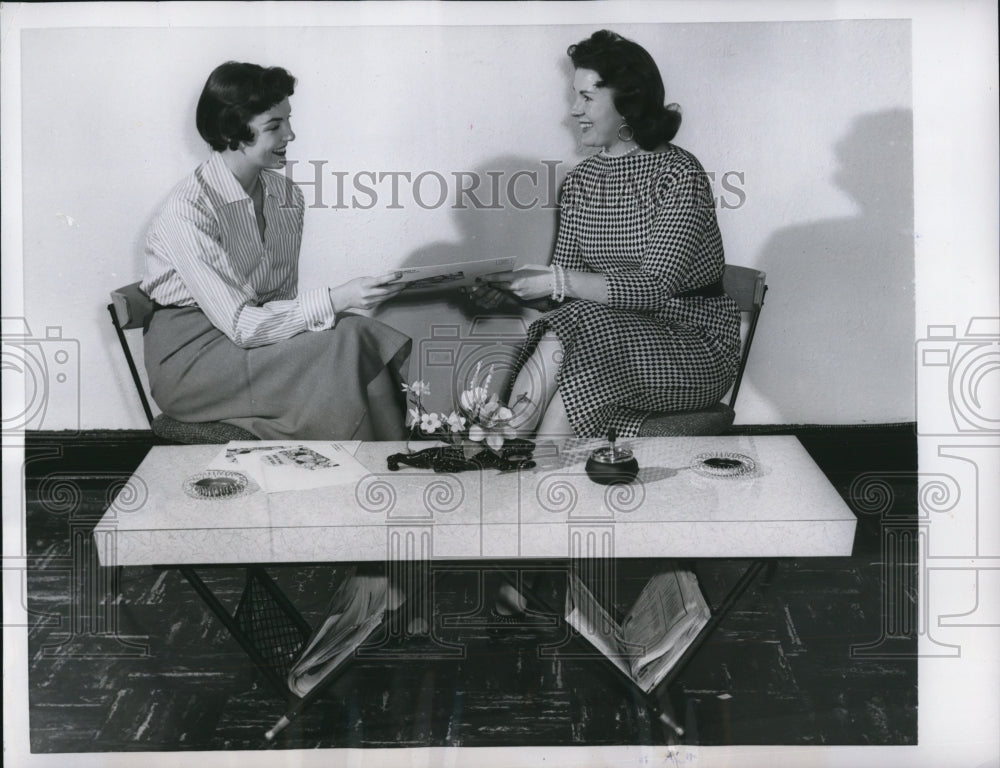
(529, 282)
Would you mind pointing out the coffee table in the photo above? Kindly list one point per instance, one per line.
(776, 503)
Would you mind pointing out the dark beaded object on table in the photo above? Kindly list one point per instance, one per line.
(514, 454)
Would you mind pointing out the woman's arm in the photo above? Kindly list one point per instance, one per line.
(188, 239)
(684, 216)
(576, 280)
(253, 302)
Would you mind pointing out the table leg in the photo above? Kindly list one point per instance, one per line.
(405, 633)
(657, 700)
(719, 613)
(265, 623)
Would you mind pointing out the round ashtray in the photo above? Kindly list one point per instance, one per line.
(609, 466)
(217, 484)
(723, 464)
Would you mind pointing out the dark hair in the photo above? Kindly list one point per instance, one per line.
(630, 72)
(234, 94)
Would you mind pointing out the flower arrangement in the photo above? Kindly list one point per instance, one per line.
(480, 421)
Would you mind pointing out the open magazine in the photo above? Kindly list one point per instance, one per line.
(665, 619)
(355, 611)
(446, 276)
(292, 465)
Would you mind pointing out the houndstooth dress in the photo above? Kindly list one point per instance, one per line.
(647, 221)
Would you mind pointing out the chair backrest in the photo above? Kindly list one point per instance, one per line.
(747, 287)
(130, 308)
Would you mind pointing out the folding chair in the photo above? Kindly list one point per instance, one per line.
(130, 308)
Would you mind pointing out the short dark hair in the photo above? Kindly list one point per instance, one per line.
(234, 94)
(630, 72)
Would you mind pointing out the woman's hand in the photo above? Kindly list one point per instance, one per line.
(366, 292)
(530, 282)
(485, 297)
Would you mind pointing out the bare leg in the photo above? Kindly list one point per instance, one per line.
(545, 414)
(555, 424)
(537, 380)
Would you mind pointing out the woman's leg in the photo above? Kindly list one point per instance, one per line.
(541, 415)
(555, 424)
(536, 380)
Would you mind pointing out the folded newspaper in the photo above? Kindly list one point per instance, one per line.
(355, 611)
(665, 619)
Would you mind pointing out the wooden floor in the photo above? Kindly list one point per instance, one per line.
(824, 654)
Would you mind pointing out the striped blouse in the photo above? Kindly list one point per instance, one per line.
(204, 249)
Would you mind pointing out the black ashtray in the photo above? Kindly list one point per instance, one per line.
(611, 465)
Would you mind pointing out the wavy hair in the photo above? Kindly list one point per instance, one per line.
(632, 75)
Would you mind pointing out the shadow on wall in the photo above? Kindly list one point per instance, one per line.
(516, 216)
(836, 339)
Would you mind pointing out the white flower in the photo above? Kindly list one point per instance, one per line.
(494, 436)
(475, 374)
(493, 412)
(480, 415)
(414, 417)
(419, 388)
(472, 399)
(430, 422)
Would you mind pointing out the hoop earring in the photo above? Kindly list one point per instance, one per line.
(631, 133)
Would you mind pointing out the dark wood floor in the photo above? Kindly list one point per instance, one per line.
(824, 654)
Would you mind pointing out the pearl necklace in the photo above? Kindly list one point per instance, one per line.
(604, 153)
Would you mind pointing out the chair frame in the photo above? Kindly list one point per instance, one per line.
(126, 314)
(130, 359)
(760, 290)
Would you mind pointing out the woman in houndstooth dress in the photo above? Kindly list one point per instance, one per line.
(640, 319)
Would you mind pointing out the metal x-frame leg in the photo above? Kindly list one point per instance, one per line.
(265, 623)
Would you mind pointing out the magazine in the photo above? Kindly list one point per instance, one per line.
(448, 276)
(355, 611)
(290, 465)
(665, 619)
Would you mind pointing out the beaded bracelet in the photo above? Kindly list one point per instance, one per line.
(558, 283)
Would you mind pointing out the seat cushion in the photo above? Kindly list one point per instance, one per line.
(709, 421)
(210, 432)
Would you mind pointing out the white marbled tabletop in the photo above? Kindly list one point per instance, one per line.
(784, 507)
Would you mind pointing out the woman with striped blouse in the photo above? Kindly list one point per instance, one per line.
(232, 338)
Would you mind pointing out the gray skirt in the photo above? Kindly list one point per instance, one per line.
(339, 384)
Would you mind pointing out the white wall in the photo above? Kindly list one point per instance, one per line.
(816, 116)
